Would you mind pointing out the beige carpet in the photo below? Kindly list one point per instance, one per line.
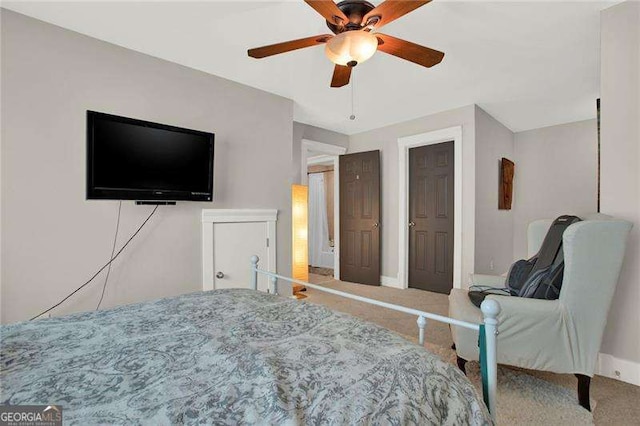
(525, 397)
(321, 271)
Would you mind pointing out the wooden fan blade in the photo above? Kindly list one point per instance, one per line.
(329, 10)
(409, 51)
(287, 46)
(391, 10)
(341, 76)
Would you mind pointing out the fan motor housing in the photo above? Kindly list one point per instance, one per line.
(355, 10)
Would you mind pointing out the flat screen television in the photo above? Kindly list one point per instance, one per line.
(130, 159)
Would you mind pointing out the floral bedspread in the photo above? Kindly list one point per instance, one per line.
(230, 357)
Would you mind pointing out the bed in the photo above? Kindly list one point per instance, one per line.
(235, 356)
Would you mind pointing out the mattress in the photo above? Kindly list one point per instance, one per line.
(230, 357)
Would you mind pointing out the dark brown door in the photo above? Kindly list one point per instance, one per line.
(431, 217)
(360, 217)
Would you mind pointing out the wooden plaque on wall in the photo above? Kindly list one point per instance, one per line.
(505, 191)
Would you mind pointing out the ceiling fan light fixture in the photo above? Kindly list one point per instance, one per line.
(351, 46)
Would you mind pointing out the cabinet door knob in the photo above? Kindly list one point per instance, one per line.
(219, 275)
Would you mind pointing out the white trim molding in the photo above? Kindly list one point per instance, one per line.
(320, 159)
(211, 216)
(390, 282)
(404, 144)
(239, 215)
(619, 369)
(329, 152)
(327, 149)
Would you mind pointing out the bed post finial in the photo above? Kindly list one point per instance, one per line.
(254, 273)
(422, 324)
(490, 311)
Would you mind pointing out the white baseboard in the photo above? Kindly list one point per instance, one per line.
(619, 369)
(390, 282)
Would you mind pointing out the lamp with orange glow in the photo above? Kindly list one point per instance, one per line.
(299, 232)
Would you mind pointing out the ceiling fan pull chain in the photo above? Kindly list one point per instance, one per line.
(352, 116)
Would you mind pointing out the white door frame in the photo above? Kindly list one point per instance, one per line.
(211, 216)
(404, 144)
(332, 151)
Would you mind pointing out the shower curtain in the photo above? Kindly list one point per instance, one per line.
(320, 253)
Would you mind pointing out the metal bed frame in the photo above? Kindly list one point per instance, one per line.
(487, 331)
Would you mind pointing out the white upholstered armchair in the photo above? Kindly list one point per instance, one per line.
(563, 335)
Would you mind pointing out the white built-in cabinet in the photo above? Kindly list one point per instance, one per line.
(229, 238)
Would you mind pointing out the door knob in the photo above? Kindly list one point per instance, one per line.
(412, 224)
(219, 275)
(375, 224)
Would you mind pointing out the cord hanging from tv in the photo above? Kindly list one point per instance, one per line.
(151, 163)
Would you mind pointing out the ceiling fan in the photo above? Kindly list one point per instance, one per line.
(354, 22)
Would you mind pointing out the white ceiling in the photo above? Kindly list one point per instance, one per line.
(529, 64)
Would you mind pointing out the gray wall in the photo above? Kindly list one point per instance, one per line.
(620, 165)
(386, 140)
(487, 231)
(494, 228)
(317, 134)
(52, 239)
(556, 173)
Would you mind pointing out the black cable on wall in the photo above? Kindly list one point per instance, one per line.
(101, 269)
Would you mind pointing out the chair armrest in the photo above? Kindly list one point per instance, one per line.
(521, 316)
(531, 332)
(525, 305)
(488, 280)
